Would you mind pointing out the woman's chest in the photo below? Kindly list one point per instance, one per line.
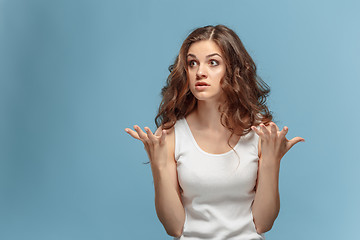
(225, 176)
(213, 144)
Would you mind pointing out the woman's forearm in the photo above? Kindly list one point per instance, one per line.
(266, 205)
(168, 204)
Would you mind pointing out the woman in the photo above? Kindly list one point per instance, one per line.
(215, 156)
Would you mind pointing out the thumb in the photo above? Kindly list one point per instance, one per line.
(295, 140)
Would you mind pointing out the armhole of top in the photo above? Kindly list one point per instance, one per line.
(176, 150)
(257, 141)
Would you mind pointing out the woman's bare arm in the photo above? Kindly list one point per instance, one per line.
(273, 145)
(266, 205)
(169, 208)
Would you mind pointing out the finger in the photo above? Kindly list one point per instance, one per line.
(293, 141)
(277, 128)
(142, 135)
(132, 133)
(274, 130)
(158, 132)
(150, 134)
(283, 132)
(163, 136)
(258, 132)
(265, 130)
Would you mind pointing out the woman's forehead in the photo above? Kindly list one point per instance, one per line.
(204, 48)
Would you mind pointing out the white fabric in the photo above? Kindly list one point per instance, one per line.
(217, 196)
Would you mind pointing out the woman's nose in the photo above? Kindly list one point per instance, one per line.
(201, 72)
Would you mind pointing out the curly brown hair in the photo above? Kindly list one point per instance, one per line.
(245, 92)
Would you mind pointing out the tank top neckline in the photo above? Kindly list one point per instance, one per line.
(198, 147)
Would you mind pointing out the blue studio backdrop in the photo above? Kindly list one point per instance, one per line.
(74, 74)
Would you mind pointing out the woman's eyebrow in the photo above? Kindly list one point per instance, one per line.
(208, 56)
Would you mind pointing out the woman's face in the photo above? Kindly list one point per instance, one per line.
(206, 64)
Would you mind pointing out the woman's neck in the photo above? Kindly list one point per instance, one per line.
(208, 116)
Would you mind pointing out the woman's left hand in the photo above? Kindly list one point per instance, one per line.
(274, 144)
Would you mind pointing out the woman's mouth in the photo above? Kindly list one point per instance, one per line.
(201, 86)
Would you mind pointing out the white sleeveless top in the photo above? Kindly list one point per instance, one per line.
(218, 191)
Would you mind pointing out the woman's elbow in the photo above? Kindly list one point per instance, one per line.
(263, 229)
(176, 234)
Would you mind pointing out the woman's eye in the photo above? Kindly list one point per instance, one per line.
(192, 63)
(214, 62)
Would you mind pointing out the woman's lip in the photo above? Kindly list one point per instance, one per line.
(201, 87)
(201, 84)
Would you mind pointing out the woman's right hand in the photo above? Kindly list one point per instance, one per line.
(154, 145)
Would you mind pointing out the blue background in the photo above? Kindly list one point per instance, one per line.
(75, 74)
